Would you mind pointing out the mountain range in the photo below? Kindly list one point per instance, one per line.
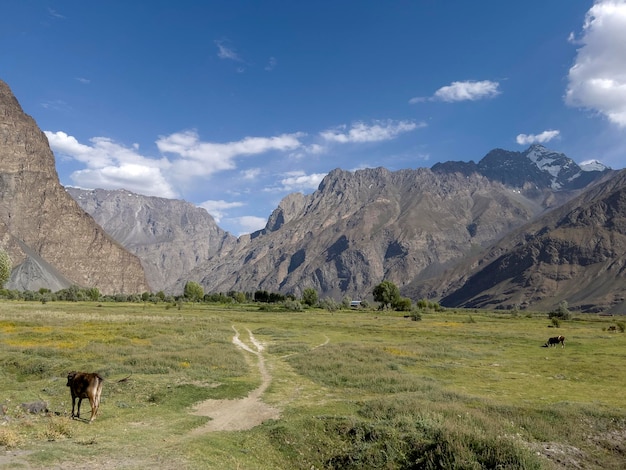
(514, 230)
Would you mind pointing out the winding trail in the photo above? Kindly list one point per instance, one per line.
(244, 413)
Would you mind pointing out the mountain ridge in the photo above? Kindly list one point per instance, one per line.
(41, 226)
(515, 230)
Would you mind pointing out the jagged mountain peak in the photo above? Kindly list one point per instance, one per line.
(536, 168)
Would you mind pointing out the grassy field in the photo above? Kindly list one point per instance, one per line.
(355, 389)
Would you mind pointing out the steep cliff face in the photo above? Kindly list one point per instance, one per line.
(42, 226)
(362, 227)
(169, 236)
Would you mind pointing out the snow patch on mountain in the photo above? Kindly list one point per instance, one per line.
(593, 165)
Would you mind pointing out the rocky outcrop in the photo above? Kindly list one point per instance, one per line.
(169, 236)
(41, 226)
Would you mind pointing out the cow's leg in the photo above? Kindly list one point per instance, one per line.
(94, 408)
(73, 404)
(80, 400)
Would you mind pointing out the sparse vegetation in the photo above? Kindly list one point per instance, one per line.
(5, 267)
(466, 394)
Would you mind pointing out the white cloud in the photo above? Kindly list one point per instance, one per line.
(597, 80)
(545, 136)
(248, 223)
(139, 179)
(218, 208)
(251, 173)
(226, 52)
(205, 158)
(377, 132)
(300, 181)
(113, 166)
(467, 91)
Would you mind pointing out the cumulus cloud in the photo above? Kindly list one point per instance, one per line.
(360, 132)
(545, 136)
(139, 179)
(300, 181)
(597, 80)
(205, 158)
(110, 165)
(218, 209)
(463, 91)
(113, 166)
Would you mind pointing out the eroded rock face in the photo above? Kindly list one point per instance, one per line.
(42, 226)
(169, 236)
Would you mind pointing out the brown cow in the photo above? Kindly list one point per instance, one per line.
(554, 341)
(85, 385)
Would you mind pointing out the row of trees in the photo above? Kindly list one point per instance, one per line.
(386, 293)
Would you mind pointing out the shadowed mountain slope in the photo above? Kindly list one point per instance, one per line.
(575, 253)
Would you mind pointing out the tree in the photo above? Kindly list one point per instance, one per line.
(5, 267)
(310, 297)
(193, 291)
(562, 312)
(93, 294)
(387, 293)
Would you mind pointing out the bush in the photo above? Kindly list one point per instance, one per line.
(329, 304)
(561, 312)
(310, 297)
(403, 304)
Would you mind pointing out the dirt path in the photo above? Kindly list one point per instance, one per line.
(245, 413)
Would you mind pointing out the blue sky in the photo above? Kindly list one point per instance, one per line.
(232, 105)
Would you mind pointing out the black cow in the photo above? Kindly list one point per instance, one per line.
(554, 341)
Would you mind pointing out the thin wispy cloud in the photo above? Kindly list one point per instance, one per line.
(463, 91)
(55, 14)
(597, 80)
(58, 105)
(271, 64)
(542, 138)
(83, 80)
(225, 51)
(251, 173)
(360, 132)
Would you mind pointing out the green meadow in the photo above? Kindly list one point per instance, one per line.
(355, 389)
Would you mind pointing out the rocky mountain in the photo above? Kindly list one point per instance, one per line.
(169, 236)
(361, 227)
(52, 242)
(517, 229)
(576, 253)
(536, 168)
